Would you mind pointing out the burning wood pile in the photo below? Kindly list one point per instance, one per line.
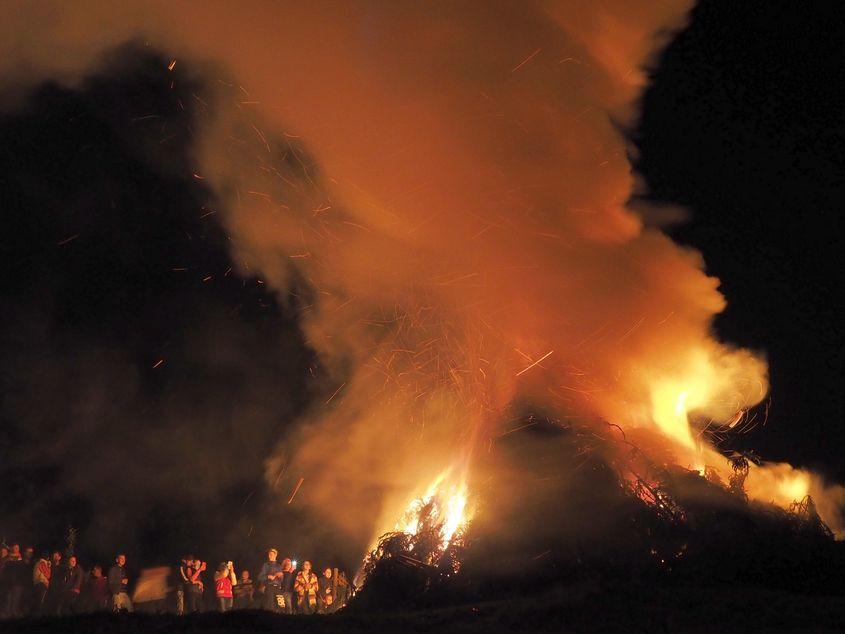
(664, 524)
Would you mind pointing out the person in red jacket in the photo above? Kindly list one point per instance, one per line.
(224, 580)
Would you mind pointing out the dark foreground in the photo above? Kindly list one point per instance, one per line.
(579, 609)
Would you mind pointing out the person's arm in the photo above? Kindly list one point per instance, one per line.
(233, 576)
(182, 573)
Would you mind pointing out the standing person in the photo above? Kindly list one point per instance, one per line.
(288, 577)
(4, 558)
(41, 573)
(26, 571)
(194, 586)
(306, 586)
(344, 591)
(224, 581)
(13, 582)
(118, 582)
(53, 598)
(243, 592)
(326, 591)
(181, 582)
(184, 580)
(72, 581)
(271, 576)
(97, 591)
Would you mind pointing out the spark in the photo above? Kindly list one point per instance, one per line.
(537, 362)
(67, 240)
(526, 60)
(335, 392)
(296, 490)
(631, 329)
(666, 318)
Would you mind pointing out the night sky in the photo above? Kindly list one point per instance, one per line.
(139, 359)
(744, 126)
(123, 311)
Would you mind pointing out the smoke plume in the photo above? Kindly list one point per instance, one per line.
(445, 189)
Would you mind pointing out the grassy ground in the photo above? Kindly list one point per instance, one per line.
(579, 609)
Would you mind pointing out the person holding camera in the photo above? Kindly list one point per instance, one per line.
(224, 581)
(307, 588)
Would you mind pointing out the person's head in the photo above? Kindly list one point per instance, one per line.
(15, 550)
(327, 572)
(223, 567)
(306, 566)
(71, 561)
(97, 571)
(4, 552)
(286, 565)
(29, 553)
(272, 554)
(121, 560)
(57, 557)
(244, 574)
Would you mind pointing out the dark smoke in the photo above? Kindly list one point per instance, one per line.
(146, 377)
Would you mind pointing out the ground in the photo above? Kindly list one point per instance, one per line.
(577, 609)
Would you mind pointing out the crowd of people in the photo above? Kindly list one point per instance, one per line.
(54, 585)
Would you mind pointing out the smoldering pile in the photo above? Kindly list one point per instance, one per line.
(602, 523)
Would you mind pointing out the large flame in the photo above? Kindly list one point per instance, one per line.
(447, 500)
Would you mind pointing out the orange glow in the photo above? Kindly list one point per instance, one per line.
(449, 508)
(457, 209)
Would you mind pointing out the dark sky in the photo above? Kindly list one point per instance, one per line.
(144, 381)
(114, 260)
(744, 125)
